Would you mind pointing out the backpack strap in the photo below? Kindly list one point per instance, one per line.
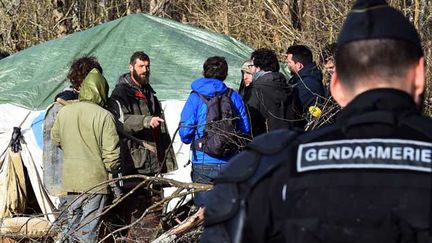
(203, 98)
(228, 92)
(120, 113)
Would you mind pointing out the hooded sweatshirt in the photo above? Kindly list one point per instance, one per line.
(270, 102)
(195, 111)
(87, 134)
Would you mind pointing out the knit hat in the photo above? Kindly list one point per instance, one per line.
(375, 19)
(247, 67)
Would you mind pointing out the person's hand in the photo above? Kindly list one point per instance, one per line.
(155, 121)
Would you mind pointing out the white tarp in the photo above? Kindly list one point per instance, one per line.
(13, 116)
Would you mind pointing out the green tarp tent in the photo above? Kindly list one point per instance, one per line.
(32, 77)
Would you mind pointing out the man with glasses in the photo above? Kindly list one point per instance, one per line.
(270, 97)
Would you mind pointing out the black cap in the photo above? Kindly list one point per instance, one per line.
(375, 19)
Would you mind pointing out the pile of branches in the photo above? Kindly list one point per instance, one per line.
(155, 219)
(150, 221)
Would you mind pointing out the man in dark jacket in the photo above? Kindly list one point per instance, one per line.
(307, 79)
(366, 178)
(270, 96)
(144, 136)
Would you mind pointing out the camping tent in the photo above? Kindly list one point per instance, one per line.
(30, 79)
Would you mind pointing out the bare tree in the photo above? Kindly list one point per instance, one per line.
(259, 23)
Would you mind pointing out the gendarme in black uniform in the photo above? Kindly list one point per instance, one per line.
(367, 178)
(329, 186)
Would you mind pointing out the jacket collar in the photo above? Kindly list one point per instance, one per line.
(126, 80)
(208, 86)
(382, 101)
(259, 74)
(310, 69)
(273, 79)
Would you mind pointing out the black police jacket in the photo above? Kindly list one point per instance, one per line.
(364, 179)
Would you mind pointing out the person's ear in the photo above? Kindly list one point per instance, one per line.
(130, 68)
(419, 81)
(300, 66)
(338, 91)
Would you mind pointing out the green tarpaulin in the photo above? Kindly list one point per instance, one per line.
(32, 77)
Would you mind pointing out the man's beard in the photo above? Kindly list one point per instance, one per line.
(139, 79)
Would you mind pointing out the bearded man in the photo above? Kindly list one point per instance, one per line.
(140, 123)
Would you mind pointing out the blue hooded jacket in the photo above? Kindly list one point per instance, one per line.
(194, 113)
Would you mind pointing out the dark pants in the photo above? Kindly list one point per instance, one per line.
(204, 173)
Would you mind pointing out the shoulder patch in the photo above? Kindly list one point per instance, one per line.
(397, 154)
(272, 142)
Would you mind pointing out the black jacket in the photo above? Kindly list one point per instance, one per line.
(367, 178)
(67, 94)
(138, 106)
(269, 101)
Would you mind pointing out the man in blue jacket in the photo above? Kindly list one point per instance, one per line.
(193, 119)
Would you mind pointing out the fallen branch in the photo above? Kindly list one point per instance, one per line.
(189, 223)
(183, 189)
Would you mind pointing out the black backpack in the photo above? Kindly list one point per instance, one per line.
(221, 137)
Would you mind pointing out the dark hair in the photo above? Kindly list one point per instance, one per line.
(328, 52)
(388, 59)
(215, 67)
(3, 54)
(300, 53)
(80, 68)
(139, 55)
(266, 59)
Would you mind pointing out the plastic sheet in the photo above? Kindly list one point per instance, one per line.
(32, 77)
